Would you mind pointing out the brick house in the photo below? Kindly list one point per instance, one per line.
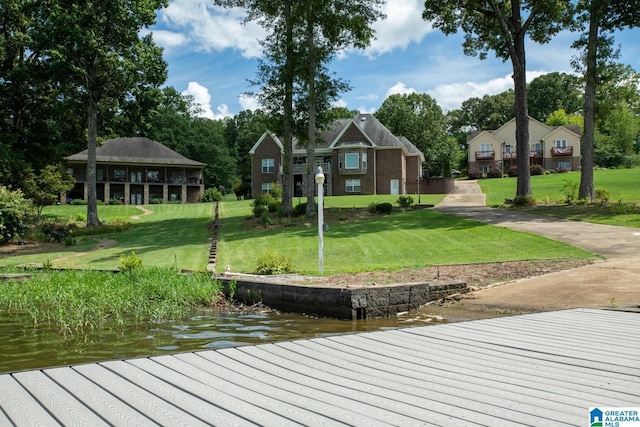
(357, 156)
(137, 170)
(553, 147)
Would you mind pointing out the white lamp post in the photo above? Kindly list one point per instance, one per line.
(320, 182)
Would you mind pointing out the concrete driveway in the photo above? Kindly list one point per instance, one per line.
(614, 281)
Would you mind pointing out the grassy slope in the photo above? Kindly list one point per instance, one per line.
(178, 234)
(549, 189)
(410, 239)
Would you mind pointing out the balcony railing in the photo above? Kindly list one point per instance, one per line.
(535, 154)
(300, 169)
(509, 155)
(562, 151)
(485, 155)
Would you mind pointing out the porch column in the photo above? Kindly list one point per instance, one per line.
(165, 193)
(107, 192)
(127, 193)
(145, 196)
(183, 196)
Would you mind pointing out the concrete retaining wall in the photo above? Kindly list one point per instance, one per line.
(342, 303)
(437, 186)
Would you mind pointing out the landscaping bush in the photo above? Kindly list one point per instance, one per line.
(78, 202)
(494, 172)
(384, 208)
(155, 201)
(274, 205)
(272, 262)
(114, 201)
(16, 214)
(562, 170)
(372, 207)
(475, 173)
(211, 195)
(522, 201)
(570, 191)
(300, 209)
(602, 195)
(276, 191)
(405, 202)
(536, 170)
(261, 204)
(130, 262)
(513, 171)
(57, 231)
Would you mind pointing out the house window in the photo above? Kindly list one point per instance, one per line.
(562, 165)
(119, 175)
(352, 186)
(561, 143)
(507, 148)
(266, 187)
(364, 160)
(153, 176)
(268, 166)
(485, 168)
(352, 161)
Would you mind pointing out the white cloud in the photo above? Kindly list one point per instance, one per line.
(169, 39)
(451, 96)
(399, 88)
(402, 26)
(213, 28)
(202, 102)
(248, 102)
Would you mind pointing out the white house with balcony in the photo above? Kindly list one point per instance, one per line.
(553, 147)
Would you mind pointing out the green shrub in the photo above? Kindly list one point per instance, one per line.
(405, 202)
(16, 214)
(70, 241)
(261, 204)
(272, 262)
(130, 262)
(384, 208)
(602, 195)
(211, 195)
(475, 173)
(80, 217)
(78, 202)
(115, 201)
(494, 172)
(57, 231)
(372, 207)
(156, 201)
(300, 209)
(536, 170)
(521, 201)
(274, 205)
(512, 171)
(570, 191)
(276, 191)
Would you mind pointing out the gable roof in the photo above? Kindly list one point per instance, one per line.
(136, 150)
(262, 138)
(552, 129)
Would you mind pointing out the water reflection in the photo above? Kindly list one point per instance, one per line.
(24, 347)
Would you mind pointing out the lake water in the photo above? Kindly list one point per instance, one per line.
(24, 347)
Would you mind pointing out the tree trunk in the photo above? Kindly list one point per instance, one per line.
(92, 200)
(522, 117)
(287, 167)
(587, 189)
(311, 82)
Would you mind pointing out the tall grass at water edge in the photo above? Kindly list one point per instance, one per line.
(75, 300)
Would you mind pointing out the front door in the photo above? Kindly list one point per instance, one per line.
(395, 186)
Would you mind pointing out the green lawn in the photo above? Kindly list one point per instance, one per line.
(172, 236)
(402, 240)
(548, 190)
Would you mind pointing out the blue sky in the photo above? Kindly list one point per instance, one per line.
(211, 56)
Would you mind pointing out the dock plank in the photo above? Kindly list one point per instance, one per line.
(543, 369)
(114, 410)
(64, 406)
(20, 406)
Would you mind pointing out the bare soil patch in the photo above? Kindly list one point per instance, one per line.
(476, 276)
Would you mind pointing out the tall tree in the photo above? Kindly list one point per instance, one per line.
(502, 26)
(303, 38)
(94, 48)
(554, 91)
(419, 118)
(597, 19)
(330, 27)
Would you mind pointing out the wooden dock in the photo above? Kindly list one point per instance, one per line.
(538, 369)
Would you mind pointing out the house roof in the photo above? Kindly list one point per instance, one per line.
(136, 150)
(572, 128)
